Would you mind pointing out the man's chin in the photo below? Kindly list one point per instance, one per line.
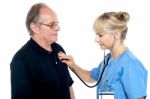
(55, 40)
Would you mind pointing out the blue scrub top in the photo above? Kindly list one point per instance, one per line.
(125, 76)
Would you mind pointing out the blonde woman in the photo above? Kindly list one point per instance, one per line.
(124, 75)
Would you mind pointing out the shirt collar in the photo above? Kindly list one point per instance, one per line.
(36, 46)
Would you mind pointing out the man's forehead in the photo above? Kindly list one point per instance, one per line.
(47, 14)
(46, 10)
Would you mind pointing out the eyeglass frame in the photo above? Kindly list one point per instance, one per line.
(51, 25)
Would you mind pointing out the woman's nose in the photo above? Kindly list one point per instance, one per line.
(97, 38)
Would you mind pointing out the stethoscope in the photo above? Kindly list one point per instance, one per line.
(105, 63)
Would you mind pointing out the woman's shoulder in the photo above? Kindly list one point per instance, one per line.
(131, 61)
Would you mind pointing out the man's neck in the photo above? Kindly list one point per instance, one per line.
(43, 43)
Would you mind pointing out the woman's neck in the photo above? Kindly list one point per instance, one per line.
(118, 50)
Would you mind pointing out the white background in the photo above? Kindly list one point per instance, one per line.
(76, 35)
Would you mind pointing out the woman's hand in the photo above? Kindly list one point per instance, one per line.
(67, 59)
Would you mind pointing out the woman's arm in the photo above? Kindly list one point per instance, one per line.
(84, 74)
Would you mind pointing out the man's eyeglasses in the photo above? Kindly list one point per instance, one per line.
(51, 25)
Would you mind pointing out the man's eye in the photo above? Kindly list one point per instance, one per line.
(51, 25)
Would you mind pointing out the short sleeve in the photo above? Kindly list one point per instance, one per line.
(134, 79)
(20, 81)
(70, 80)
(95, 72)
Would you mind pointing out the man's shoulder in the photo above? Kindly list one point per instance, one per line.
(23, 51)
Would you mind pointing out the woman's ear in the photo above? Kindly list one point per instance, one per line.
(117, 35)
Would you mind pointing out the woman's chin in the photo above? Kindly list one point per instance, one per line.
(102, 47)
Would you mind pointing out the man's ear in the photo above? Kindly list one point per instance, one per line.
(34, 28)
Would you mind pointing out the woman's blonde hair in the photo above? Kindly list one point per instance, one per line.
(112, 22)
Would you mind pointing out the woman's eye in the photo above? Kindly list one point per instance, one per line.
(100, 35)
